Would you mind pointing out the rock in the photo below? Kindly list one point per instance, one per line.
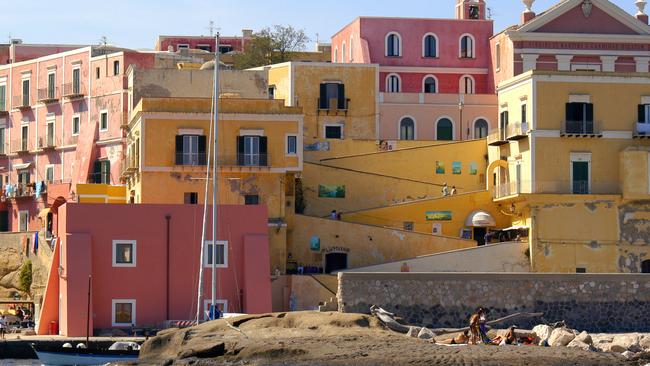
(644, 343)
(579, 344)
(628, 342)
(561, 337)
(413, 332)
(543, 333)
(584, 337)
(629, 355)
(425, 334)
(612, 348)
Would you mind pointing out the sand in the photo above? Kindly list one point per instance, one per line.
(312, 338)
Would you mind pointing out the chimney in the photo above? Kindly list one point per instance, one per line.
(528, 14)
(641, 15)
(247, 33)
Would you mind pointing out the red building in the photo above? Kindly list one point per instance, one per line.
(226, 43)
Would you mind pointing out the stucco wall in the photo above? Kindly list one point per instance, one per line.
(596, 303)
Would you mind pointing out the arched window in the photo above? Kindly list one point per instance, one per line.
(343, 60)
(466, 46)
(351, 49)
(429, 84)
(336, 55)
(444, 130)
(393, 45)
(407, 129)
(430, 46)
(467, 85)
(480, 128)
(393, 83)
(645, 266)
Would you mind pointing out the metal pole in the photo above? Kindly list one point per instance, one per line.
(88, 313)
(215, 177)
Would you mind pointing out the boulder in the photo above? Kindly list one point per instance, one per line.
(579, 344)
(628, 342)
(561, 337)
(645, 343)
(629, 355)
(584, 337)
(543, 333)
(413, 332)
(425, 333)
(612, 348)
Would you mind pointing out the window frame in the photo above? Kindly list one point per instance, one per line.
(343, 52)
(134, 262)
(497, 53)
(76, 83)
(351, 49)
(339, 125)
(3, 96)
(49, 167)
(453, 128)
(399, 128)
(116, 67)
(52, 87)
(424, 45)
(257, 197)
(20, 220)
(462, 87)
(471, 52)
(103, 112)
(77, 117)
(388, 83)
(24, 137)
(206, 259)
(583, 157)
(133, 303)
(191, 196)
(26, 100)
(424, 80)
(474, 127)
(182, 46)
(287, 150)
(399, 45)
(336, 55)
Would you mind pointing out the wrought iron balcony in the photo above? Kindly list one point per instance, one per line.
(517, 131)
(22, 101)
(74, 90)
(642, 130)
(48, 95)
(333, 106)
(24, 190)
(580, 129)
(191, 159)
(21, 146)
(510, 189)
(48, 143)
(497, 137)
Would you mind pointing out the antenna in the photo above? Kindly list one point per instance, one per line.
(211, 28)
(489, 13)
(317, 38)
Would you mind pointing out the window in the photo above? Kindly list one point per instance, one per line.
(3, 97)
(191, 198)
(76, 81)
(503, 120)
(393, 45)
(429, 85)
(251, 200)
(467, 85)
(49, 138)
(103, 121)
(580, 118)
(643, 127)
(407, 129)
(444, 130)
(3, 139)
(204, 47)
(409, 225)
(51, 82)
(336, 55)
(252, 150)
(271, 92)
(393, 83)
(351, 49)
(480, 128)
(24, 138)
(97, 73)
(123, 313)
(124, 253)
(116, 67)
(343, 53)
(225, 49)
(220, 252)
(645, 266)
(524, 114)
(581, 173)
(182, 46)
(101, 172)
(430, 46)
(76, 125)
(474, 12)
(333, 132)
(466, 46)
(581, 270)
(24, 177)
(330, 91)
(24, 221)
(497, 52)
(190, 150)
(292, 145)
(25, 99)
(49, 173)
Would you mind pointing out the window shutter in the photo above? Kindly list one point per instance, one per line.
(641, 111)
(97, 171)
(179, 150)
(240, 150)
(590, 112)
(568, 114)
(263, 151)
(323, 97)
(202, 152)
(342, 101)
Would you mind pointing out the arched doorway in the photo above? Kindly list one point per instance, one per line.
(480, 128)
(497, 175)
(645, 266)
(336, 261)
(444, 130)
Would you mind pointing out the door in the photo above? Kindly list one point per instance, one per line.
(4, 221)
(335, 262)
(251, 151)
(645, 266)
(580, 177)
(479, 235)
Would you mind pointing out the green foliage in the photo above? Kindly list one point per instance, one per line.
(270, 46)
(25, 276)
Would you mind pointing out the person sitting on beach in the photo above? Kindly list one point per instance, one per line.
(509, 339)
(474, 326)
(462, 338)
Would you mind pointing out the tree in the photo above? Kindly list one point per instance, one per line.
(270, 46)
(25, 276)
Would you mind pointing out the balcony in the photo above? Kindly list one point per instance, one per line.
(22, 102)
(129, 167)
(589, 129)
(48, 95)
(517, 131)
(191, 159)
(21, 146)
(99, 178)
(48, 143)
(3, 109)
(642, 130)
(334, 106)
(497, 137)
(74, 90)
(24, 191)
(4, 149)
(249, 161)
(511, 189)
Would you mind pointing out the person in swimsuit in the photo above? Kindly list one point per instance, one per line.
(462, 338)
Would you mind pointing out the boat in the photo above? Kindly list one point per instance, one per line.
(62, 356)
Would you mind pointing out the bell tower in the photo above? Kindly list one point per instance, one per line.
(470, 9)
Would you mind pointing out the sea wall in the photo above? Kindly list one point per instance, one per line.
(592, 302)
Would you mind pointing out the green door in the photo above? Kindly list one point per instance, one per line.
(580, 177)
(445, 130)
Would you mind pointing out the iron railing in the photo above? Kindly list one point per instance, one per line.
(555, 187)
(191, 159)
(581, 128)
(22, 101)
(517, 130)
(74, 90)
(48, 95)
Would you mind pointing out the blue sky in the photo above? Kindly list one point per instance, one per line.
(136, 23)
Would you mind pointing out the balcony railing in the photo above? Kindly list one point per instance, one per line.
(581, 129)
(99, 178)
(4, 149)
(129, 166)
(642, 130)
(497, 137)
(333, 106)
(517, 131)
(48, 142)
(555, 187)
(48, 95)
(74, 90)
(191, 159)
(3, 108)
(21, 146)
(22, 101)
(23, 190)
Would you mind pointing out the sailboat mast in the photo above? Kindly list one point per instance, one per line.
(215, 177)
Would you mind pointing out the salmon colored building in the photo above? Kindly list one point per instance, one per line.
(147, 274)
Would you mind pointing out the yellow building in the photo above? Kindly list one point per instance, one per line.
(577, 172)
(260, 151)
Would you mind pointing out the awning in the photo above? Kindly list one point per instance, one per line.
(22, 166)
(515, 228)
(480, 219)
(44, 212)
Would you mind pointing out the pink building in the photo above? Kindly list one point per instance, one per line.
(434, 74)
(206, 43)
(146, 274)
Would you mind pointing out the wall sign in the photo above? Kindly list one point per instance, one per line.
(314, 243)
(439, 215)
(331, 191)
(336, 250)
(437, 229)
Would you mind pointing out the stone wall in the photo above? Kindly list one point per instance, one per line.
(596, 303)
(12, 257)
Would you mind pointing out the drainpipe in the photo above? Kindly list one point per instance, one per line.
(168, 218)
